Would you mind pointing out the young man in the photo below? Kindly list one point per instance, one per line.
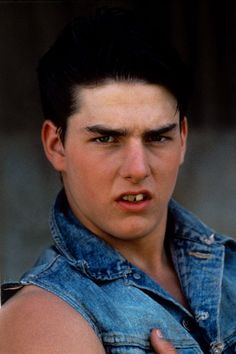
(128, 265)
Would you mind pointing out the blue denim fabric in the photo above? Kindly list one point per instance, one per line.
(122, 303)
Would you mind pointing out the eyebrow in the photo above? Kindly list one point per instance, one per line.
(103, 130)
(162, 130)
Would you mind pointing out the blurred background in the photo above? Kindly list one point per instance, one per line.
(204, 32)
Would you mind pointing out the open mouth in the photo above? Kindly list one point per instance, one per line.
(134, 198)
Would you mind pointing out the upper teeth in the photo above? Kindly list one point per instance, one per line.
(133, 198)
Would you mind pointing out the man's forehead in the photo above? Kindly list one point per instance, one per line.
(115, 93)
(130, 106)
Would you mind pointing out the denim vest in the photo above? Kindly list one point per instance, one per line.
(122, 303)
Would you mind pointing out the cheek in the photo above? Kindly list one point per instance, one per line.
(173, 168)
(168, 165)
(87, 176)
(175, 162)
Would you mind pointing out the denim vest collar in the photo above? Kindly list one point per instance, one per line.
(197, 252)
(83, 249)
(98, 260)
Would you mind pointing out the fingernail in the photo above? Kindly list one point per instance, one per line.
(158, 333)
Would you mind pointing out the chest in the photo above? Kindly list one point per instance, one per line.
(168, 280)
(123, 310)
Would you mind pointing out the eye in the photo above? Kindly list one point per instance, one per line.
(105, 139)
(156, 138)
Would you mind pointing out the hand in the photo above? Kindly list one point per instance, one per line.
(160, 345)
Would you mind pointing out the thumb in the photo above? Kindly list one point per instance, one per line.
(160, 345)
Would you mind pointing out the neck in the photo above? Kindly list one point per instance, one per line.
(147, 253)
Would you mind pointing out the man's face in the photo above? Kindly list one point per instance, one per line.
(121, 157)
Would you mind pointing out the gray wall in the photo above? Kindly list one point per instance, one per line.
(205, 36)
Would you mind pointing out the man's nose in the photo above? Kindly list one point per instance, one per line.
(135, 165)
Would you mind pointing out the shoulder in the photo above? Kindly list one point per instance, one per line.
(36, 321)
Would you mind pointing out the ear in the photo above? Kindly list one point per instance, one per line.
(183, 136)
(53, 146)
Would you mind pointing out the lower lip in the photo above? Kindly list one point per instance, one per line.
(134, 207)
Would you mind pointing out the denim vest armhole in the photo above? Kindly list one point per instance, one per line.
(8, 290)
(40, 280)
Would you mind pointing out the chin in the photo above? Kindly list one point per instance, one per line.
(132, 233)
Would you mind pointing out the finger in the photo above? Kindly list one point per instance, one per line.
(160, 345)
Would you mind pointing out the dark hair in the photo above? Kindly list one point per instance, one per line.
(112, 44)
